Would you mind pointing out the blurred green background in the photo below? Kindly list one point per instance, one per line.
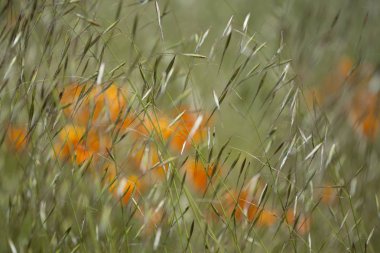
(269, 62)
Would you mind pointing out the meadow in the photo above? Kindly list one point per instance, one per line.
(189, 126)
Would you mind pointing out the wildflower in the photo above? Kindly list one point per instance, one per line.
(178, 133)
(243, 202)
(364, 115)
(242, 205)
(69, 99)
(345, 66)
(264, 217)
(115, 101)
(333, 82)
(17, 138)
(110, 176)
(159, 128)
(370, 126)
(190, 128)
(235, 202)
(148, 158)
(69, 143)
(126, 187)
(94, 104)
(300, 223)
(328, 195)
(200, 176)
(82, 154)
(75, 142)
(337, 78)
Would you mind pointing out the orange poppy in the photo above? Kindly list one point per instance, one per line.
(264, 217)
(243, 203)
(302, 223)
(109, 173)
(147, 159)
(333, 83)
(364, 115)
(328, 195)
(231, 202)
(245, 206)
(17, 138)
(158, 128)
(126, 187)
(179, 133)
(68, 143)
(83, 104)
(190, 128)
(198, 175)
(72, 143)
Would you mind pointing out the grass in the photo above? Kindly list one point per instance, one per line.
(189, 126)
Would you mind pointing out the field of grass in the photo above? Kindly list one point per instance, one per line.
(189, 126)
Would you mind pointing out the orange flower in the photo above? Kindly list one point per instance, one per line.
(243, 203)
(362, 108)
(74, 141)
(17, 138)
(328, 195)
(98, 141)
(83, 104)
(301, 223)
(333, 83)
(364, 115)
(345, 66)
(109, 173)
(265, 217)
(198, 175)
(190, 128)
(72, 134)
(82, 154)
(69, 144)
(235, 201)
(187, 129)
(115, 101)
(73, 100)
(245, 206)
(160, 128)
(370, 126)
(126, 187)
(147, 158)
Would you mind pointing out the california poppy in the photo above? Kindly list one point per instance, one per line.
(190, 128)
(328, 195)
(156, 126)
(244, 206)
(364, 113)
(126, 187)
(300, 222)
(75, 142)
(17, 137)
(147, 159)
(100, 105)
(199, 175)
(263, 216)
